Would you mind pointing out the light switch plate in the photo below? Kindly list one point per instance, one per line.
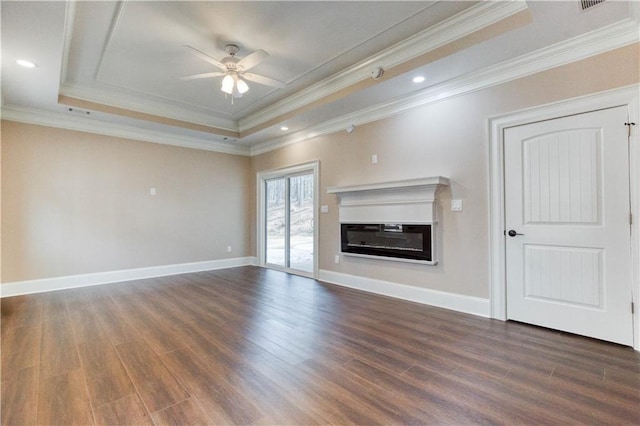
(456, 205)
(324, 209)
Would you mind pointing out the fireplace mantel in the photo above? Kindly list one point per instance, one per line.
(406, 201)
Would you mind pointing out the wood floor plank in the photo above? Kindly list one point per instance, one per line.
(20, 398)
(161, 334)
(54, 306)
(20, 349)
(603, 399)
(86, 325)
(107, 380)
(211, 388)
(126, 411)
(157, 387)
(185, 413)
(197, 339)
(118, 327)
(324, 400)
(420, 397)
(63, 400)
(58, 352)
(20, 311)
(255, 346)
(521, 394)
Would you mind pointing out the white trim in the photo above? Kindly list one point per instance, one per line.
(608, 38)
(18, 288)
(113, 26)
(464, 23)
(149, 103)
(622, 96)
(430, 185)
(261, 177)
(107, 96)
(84, 124)
(456, 302)
(69, 19)
(634, 189)
(396, 259)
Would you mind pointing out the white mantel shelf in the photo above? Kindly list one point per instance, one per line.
(430, 183)
(405, 201)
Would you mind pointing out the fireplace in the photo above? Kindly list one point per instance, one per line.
(393, 221)
(392, 240)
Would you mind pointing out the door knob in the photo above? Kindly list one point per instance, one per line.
(513, 233)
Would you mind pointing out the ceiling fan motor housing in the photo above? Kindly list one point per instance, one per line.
(232, 49)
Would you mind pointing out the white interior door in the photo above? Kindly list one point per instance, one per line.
(567, 216)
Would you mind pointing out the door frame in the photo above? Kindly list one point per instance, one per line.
(626, 96)
(261, 178)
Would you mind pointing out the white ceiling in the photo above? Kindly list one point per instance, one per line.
(119, 59)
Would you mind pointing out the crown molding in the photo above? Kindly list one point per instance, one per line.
(161, 108)
(454, 28)
(608, 38)
(464, 23)
(145, 105)
(67, 35)
(113, 26)
(84, 124)
(617, 35)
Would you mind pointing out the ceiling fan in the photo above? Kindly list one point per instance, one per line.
(235, 70)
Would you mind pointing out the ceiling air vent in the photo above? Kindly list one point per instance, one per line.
(586, 4)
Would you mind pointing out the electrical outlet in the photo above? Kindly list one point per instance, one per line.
(324, 209)
(374, 159)
(152, 191)
(337, 258)
(229, 249)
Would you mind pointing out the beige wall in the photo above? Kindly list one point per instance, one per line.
(448, 138)
(75, 203)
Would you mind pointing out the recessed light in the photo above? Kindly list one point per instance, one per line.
(284, 128)
(418, 79)
(25, 63)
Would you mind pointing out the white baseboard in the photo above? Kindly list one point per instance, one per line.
(18, 288)
(456, 302)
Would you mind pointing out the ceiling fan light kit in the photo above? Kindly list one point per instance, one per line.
(233, 85)
(233, 70)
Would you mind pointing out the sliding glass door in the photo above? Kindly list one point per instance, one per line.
(276, 222)
(288, 223)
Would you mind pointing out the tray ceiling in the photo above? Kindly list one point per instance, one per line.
(122, 60)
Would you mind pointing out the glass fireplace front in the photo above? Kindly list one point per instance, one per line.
(387, 240)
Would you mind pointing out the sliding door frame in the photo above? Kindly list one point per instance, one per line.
(312, 167)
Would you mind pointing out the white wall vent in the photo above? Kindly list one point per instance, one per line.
(586, 4)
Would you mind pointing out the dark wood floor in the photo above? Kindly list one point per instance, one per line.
(254, 346)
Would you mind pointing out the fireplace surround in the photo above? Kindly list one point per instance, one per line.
(390, 220)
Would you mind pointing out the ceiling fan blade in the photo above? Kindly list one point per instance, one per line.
(206, 57)
(252, 59)
(205, 75)
(264, 80)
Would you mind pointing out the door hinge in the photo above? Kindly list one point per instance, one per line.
(630, 218)
(629, 127)
(632, 306)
